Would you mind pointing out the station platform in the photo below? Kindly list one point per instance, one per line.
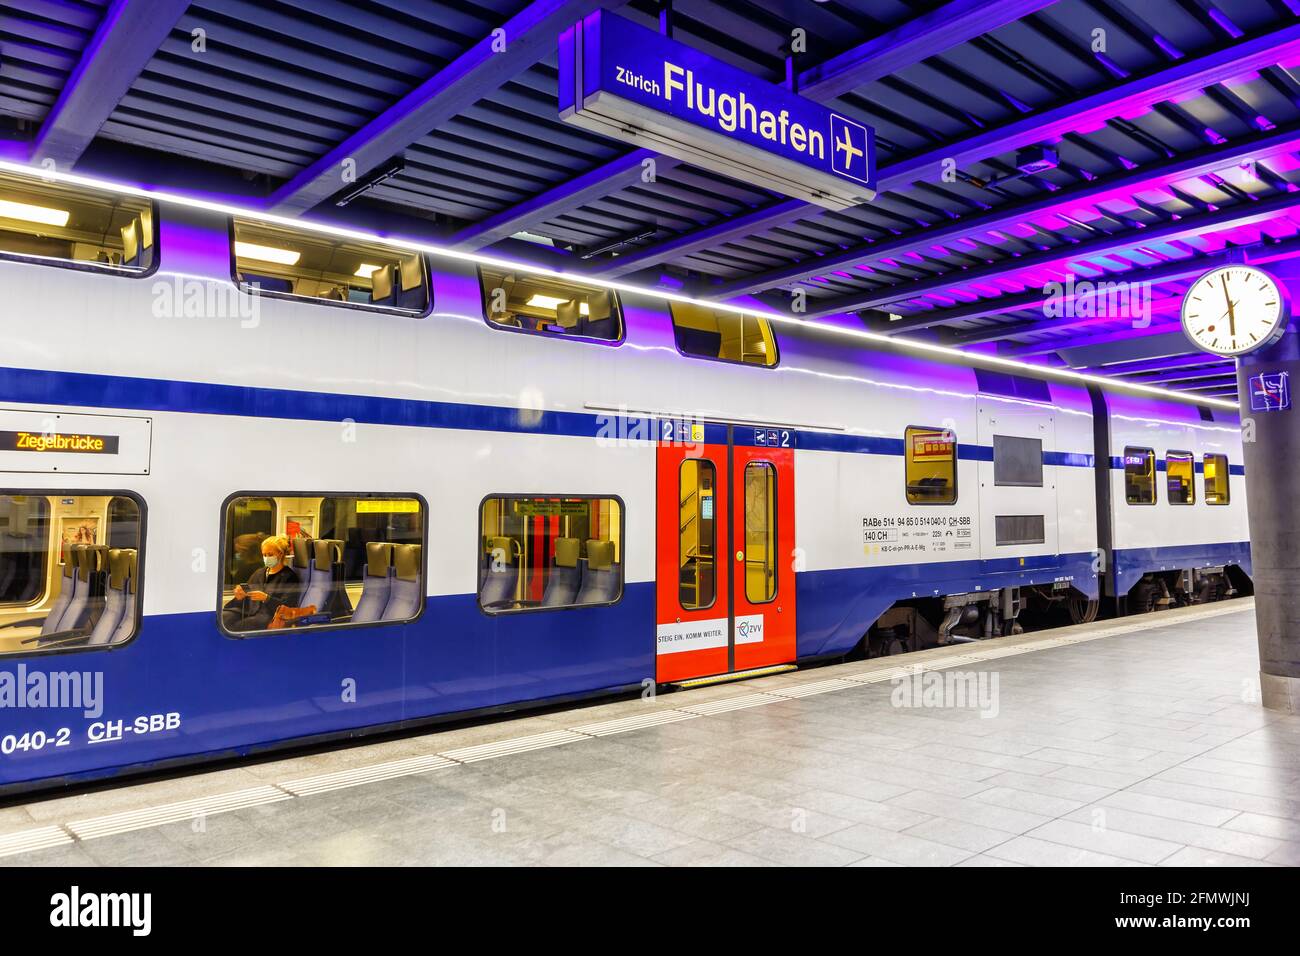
(1129, 743)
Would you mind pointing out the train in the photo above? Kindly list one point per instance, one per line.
(269, 483)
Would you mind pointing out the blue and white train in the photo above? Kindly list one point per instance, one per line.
(502, 487)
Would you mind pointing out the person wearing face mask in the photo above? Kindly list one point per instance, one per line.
(270, 587)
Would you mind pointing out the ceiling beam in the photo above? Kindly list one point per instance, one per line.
(954, 23)
(1087, 351)
(529, 36)
(1217, 371)
(1166, 82)
(1242, 214)
(1259, 146)
(129, 34)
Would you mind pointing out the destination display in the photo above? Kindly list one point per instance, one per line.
(36, 440)
(74, 444)
(628, 82)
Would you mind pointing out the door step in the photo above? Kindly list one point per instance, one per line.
(733, 676)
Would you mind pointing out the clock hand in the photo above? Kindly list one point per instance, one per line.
(1232, 316)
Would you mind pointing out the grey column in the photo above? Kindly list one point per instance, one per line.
(1272, 457)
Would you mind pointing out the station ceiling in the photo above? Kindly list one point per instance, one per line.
(1176, 124)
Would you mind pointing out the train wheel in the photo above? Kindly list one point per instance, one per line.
(1083, 611)
(1144, 597)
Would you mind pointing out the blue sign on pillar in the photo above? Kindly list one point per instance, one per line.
(628, 82)
(1270, 392)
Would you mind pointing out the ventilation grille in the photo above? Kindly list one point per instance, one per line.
(1020, 529)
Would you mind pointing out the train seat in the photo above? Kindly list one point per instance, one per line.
(67, 590)
(324, 587)
(600, 583)
(118, 602)
(127, 624)
(405, 597)
(88, 601)
(383, 286)
(600, 322)
(301, 560)
(501, 573)
(565, 580)
(412, 294)
(376, 583)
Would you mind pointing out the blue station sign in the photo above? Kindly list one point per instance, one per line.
(628, 82)
(1270, 392)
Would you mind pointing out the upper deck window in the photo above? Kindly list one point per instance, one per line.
(325, 269)
(74, 226)
(1139, 476)
(727, 336)
(547, 306)
(1216, 479)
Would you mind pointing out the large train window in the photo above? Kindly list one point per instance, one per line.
(303, 561)
(760, 532)
(55, 224)
(547, 306)
(286, 262)
(1017, 462)
(69, 570)
(1179, 471)
(549, 552)
(727, 336)
(1216, 479)
(697, 584)
(931, 456)
(1139, 476)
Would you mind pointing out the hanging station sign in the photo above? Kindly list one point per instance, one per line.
(628, 82)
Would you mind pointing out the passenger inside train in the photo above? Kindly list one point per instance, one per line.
(90, 228)
(69, 569)
(365, 567)
(545, 553)
(288, 263)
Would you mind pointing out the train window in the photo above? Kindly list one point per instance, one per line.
(697, 535)
(547, 306)
(1179, 471)
(760, 532)
(286, 262)
(69, 570)
(1139, 476)
(728, 336)
(931, 456)
(548, 552)
(63, 225)
(1017, 462)
(1216, 479)
(303, 561)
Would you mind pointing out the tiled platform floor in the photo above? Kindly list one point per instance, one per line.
(1136, 749)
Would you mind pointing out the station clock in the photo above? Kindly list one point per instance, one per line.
(1235, 309)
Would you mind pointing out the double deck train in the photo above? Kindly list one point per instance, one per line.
(495, 487)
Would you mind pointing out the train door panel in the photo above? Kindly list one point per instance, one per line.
(725, 529)
(1018, 498)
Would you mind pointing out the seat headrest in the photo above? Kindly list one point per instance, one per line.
(567, 313)
(598, 306)
(600, 554)
(119, 567)
(133, 556)
(381, 283)
(130, 241)
(379, 555)
(146, 227)
(301, 551)
(406, 561)
(566, 552)
(412, 270)
(329, 552)
(69, 560)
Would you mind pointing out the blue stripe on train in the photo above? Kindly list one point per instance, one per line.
(83, 389)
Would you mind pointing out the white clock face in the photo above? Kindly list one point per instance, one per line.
(1234, 310)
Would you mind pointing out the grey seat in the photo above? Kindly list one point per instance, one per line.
(404, 597)
(603, 581)
(324, 589)
(565, 579)
(119, 603)
(500, 577)
(67, 590)
(376, 583)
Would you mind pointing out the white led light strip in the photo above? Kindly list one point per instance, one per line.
(304, 225)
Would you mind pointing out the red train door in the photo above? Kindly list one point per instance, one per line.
(725, 597)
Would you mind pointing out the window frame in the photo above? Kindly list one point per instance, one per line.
(141, 554)
(776, 519)
(615, 300)
(246, 289)
(956, 490)
(714, 541)
(319, 628)
(520, 496)
(6, 606)
(99, 268)
(776, 346)
(1155, 485)
(1227, 479)
(1191, 460)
